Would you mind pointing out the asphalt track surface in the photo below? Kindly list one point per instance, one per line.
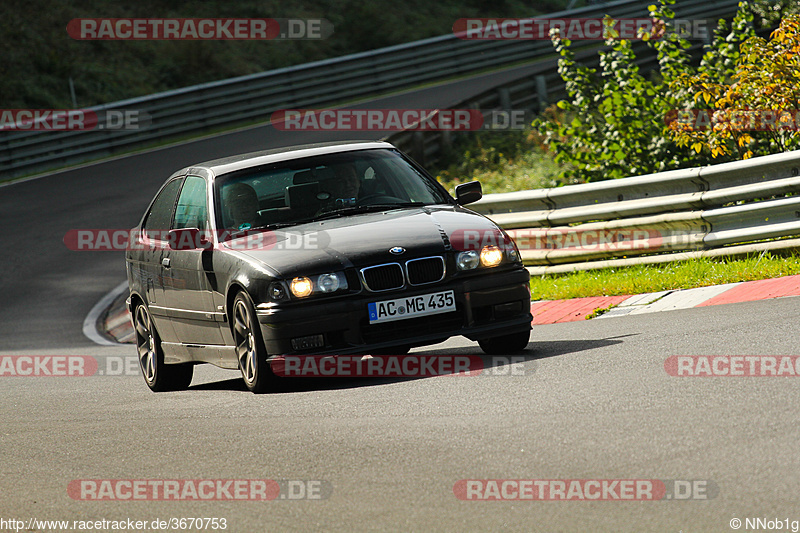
(590, 400)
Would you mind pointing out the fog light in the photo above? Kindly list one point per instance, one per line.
(507, 310)
(301, 287)
(491, 256)
(328, 282)
(277, 292)
(307, 343)
(467, 260)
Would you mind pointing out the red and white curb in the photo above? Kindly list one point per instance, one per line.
(90, 323)
(667, 300)
(120, 326)
(557, 311)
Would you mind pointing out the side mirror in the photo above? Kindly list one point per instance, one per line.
(469, 192)
(188, 239)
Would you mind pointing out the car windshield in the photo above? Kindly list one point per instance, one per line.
(320, 187)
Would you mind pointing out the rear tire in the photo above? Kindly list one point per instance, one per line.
(159, 377)
(507, 344)
(250, 351)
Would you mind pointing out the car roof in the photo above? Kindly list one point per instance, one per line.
(224, 165)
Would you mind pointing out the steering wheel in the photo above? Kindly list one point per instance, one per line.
(382, 199)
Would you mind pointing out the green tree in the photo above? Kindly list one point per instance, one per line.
(751, 111)
(771, 12)
(614, 122)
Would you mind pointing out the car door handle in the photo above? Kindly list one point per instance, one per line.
(165, 262)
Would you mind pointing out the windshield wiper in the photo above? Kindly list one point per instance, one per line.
(265, 227)
(344, 211)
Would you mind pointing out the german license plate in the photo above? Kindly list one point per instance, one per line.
(411, 307)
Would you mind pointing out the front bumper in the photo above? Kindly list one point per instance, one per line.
(491, 305)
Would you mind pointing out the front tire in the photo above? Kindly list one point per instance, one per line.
(507, 344)
(250, 352)
(159, 377)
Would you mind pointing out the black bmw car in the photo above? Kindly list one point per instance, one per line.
(345, 248)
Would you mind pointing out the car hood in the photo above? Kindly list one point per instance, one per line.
(364, 239)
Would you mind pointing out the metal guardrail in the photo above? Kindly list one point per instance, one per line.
(544, 85)
(200, 108)
(580, 227)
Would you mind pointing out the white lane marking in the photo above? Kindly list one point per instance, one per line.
(90, 322)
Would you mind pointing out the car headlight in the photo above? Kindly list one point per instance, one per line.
(303, 286)
(467, 260)
(491, 256)
(328, 282)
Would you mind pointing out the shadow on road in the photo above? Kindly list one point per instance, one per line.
(497, 365)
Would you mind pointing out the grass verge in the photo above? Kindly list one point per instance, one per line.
(502, 162)
(640, 279)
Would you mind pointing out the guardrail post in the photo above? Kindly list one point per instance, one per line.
(418, 144)
(541, 92)
(446, 145)
(504, 93)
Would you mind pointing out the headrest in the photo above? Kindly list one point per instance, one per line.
(302, 196)
(237, 190)
(305, 176)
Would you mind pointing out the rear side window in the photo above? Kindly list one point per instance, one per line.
(160, 216)
(191, 209)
